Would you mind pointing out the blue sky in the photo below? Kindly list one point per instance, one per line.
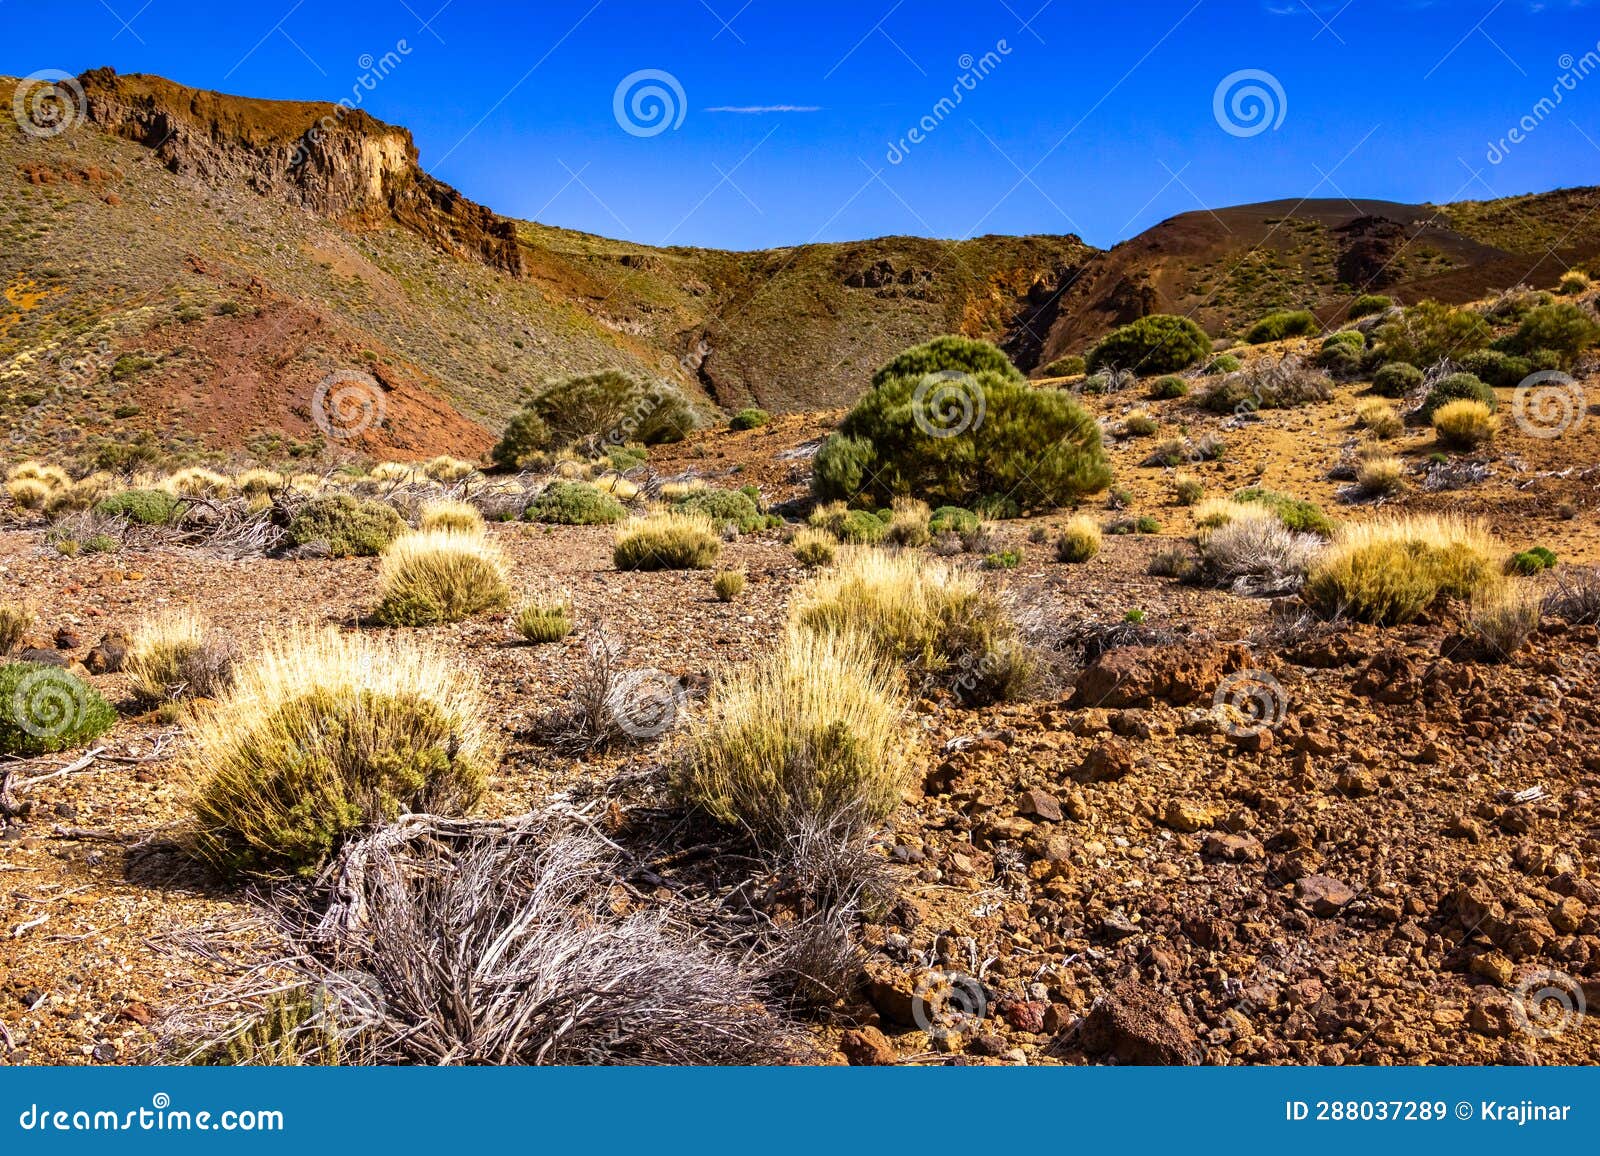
(797, 118)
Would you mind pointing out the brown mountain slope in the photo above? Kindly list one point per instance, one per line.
(183, 268)
(1227, 267)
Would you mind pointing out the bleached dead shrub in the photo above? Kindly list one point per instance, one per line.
(611, 703)
(1257, 554)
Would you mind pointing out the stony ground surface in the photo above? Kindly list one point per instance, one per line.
(1384, 871)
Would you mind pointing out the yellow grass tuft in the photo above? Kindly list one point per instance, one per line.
(728, 584)
(434, 576)
(1079, 540)
(1379, 418)
(1389, 571)
(445, 468)
(53, 477)
(28, 493)
(617, 486)
(15, 622)
(668, 540)
(1214, 513)
(813, 735)
(545, 615)
(1465, 424)
(258, 481)
(1384, 476)
(160, 649)
(197, 482)
(328, 734)
(449, 514)
(814, 547)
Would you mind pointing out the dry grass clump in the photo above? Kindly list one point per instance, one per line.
(435, 576)
(1575, 598)
(1214, 513)
(1380, 419)
(32, 484)
(445, 468)
(545, 616)
(1187, 489)
(325, 735)
(258, 481)
(1079, 540)
(1390, 571)
(395, 472)
(197, 482)
(728, 584)
(449, 514)
(667, 541)
(15, 622)
(81, 494)
(1465, 424)
(815, 730)
(814, 547)
(1256, 553)
(174, 656)
(1381, 476)
(617, 486)
(1505, 617)
(908, 523)
(922, 612)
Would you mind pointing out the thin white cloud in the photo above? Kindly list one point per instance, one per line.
(760, 108)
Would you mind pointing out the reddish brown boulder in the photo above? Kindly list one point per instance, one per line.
(1139, 1025)
(1139, 675)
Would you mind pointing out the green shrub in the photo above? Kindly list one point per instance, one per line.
(1428, 331)
(1037, 447)
(1071, 365)
(1003, 559)
(147, 507)
(348, 526)
(130, 365)
(1223, 363)
(948, 354)
(434, 576)
(1563, 328)
(727, 584)
(1143, 524)
(749, 418)
(575, 504)
(1294, 513)
(1168, 387)
(1531, 561)
(546, 617)
(1160, 343)
(45, 709)
(669, 541)
(860, 527)
(1341, 360)
(1498, 369)
(1277, 326)
(814, 547)
(1352, 338)
(1396, 379)
(1369, 303)
(724, 507)
(625, 458)
(952, 520)
(1456, 387)
(593, 410)
(1079, 540)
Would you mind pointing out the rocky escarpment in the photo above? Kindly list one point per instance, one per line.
(336, 161)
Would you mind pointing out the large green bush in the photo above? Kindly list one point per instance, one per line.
(1368, 304)
(948, 354)
(1277, 326)
(1036, 447)
(147, 507)
(1501, 370)
(44, 708)
(1428, 331)
(347, 525)
(1160, 343)
(1396, 379)
(1563, 328)
(723, 507)
(575, 504)
(591, 411)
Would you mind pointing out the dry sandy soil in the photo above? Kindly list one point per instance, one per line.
(1384, 876)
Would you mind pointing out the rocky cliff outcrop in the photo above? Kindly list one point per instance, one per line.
(333, 160)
